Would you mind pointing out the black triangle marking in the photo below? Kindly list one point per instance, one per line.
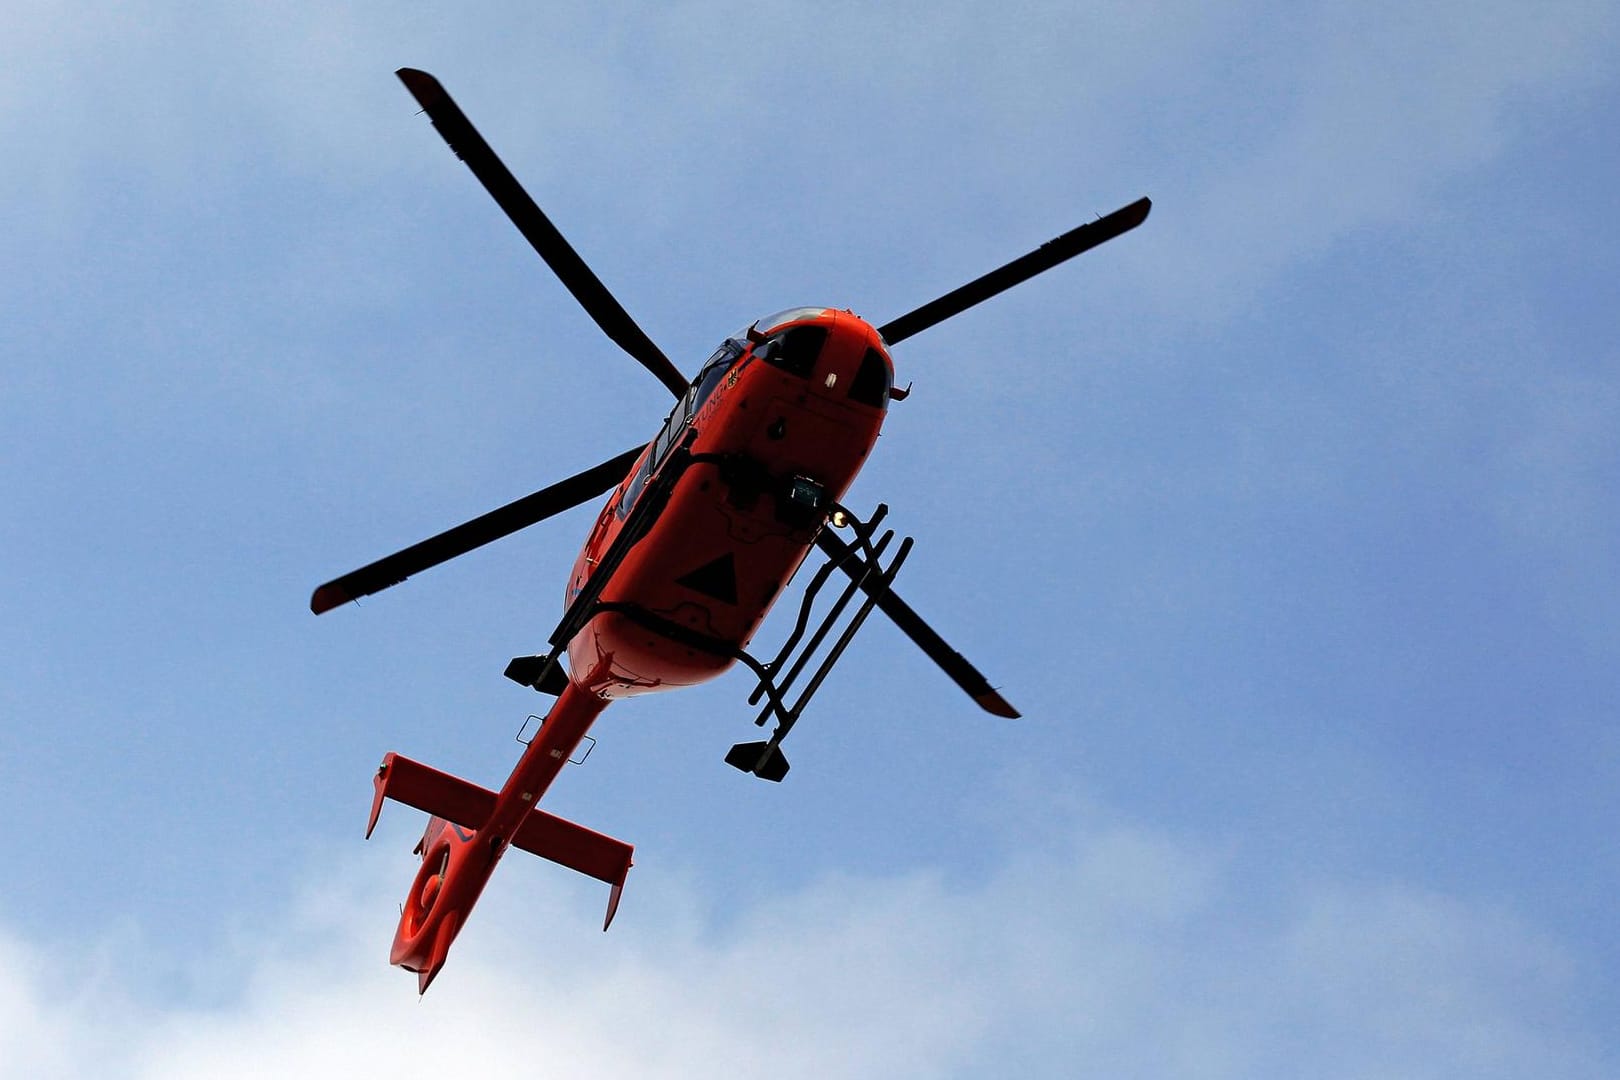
(717, 579)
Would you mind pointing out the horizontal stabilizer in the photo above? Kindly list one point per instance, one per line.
(578, 848)
(760, 758)
(431, 791)
(468, 805)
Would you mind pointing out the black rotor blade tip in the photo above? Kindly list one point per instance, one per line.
(423, 87)
(327, 597)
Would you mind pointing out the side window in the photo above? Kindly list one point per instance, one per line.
(666, 438)
(675, 423)
(633, 491)
(673, 426)
(714, 371)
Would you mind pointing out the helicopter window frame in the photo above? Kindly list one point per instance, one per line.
(680, 416)
(632, 490)
(709, 378)
(658, 450)
(673, 426)
(667, 437)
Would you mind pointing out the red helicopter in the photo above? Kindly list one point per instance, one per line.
(705, 526)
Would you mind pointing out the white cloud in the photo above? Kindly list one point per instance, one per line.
(1119, 953)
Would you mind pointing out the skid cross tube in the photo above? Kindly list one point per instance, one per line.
(764, 759)
(785, 721)
(810, 593)
(825, 627)
(787, 716)
(821, 631)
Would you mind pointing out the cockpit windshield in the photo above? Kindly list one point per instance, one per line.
(780, 318)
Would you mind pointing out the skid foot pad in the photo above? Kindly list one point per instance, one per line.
(760, 758)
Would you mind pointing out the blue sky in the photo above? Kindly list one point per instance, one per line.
(1288, 521)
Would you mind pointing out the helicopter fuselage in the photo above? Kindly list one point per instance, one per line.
(776, 425)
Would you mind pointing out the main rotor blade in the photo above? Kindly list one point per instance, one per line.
(587, 288)
(911, 624)
(1021, 269)
(395, 568)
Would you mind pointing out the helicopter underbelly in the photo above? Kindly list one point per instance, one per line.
(734, 531)
(695, 589)
(764, 464)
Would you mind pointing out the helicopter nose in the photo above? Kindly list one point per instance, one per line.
(859, 369)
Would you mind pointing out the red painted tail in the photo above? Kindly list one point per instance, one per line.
(457, 862)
